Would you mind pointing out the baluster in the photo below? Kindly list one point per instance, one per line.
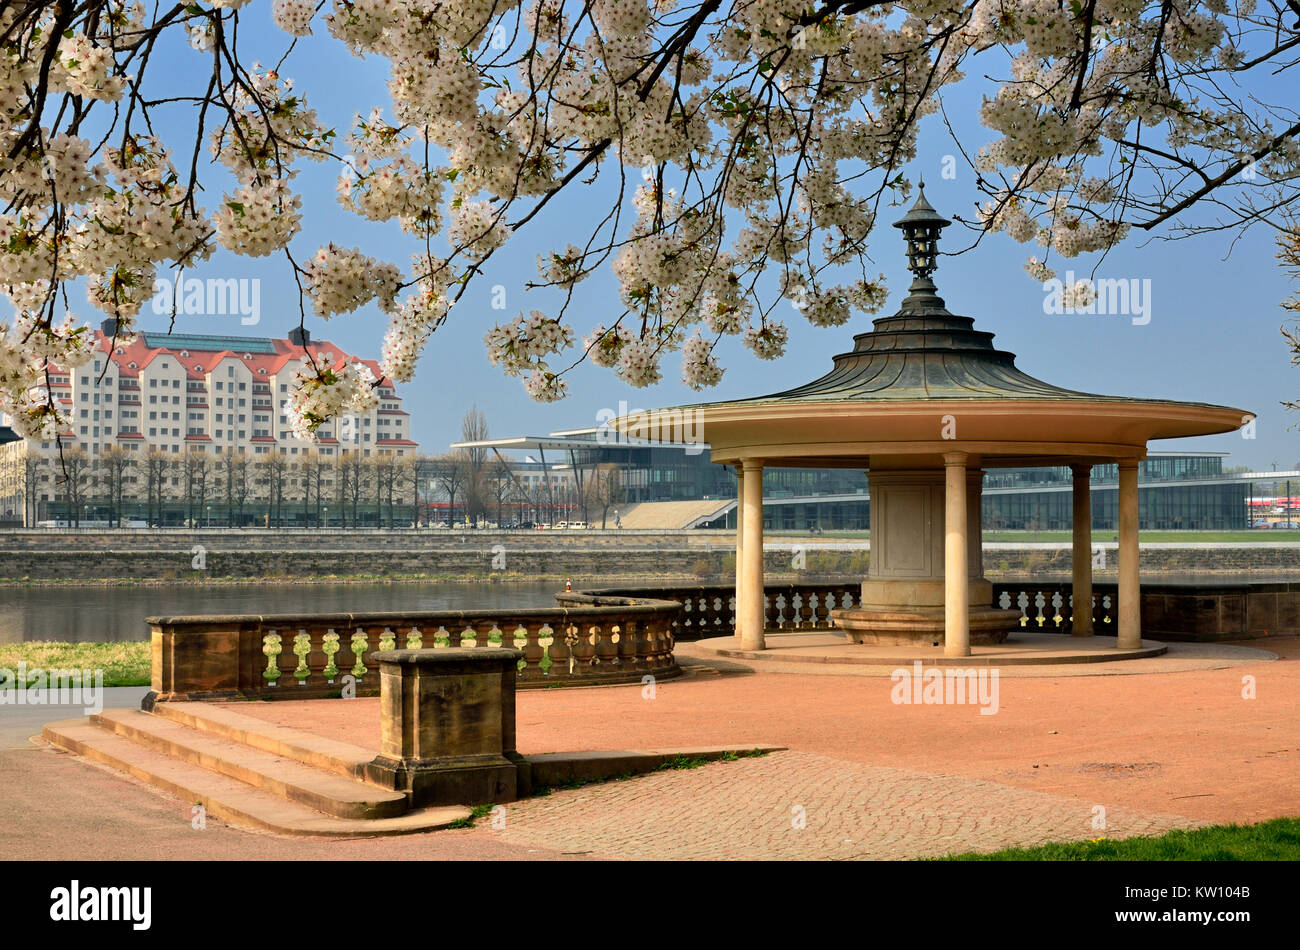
(1023, 603)
(387, 639)
(643, 643)
(533, 651)
(330, 647)
(271, 649)
(508, 632)
(606, 652)
(1056, 607)
(584, 650)
(359, 644)
(1004, 601)
(561, 650)
(1040, 601)
(414, 638)
(1105, 603)
(301, 647)
(627, 642)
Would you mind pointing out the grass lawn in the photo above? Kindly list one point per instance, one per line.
(124, 664)
(1149, 537)
(1276, 840)
(1098, 534)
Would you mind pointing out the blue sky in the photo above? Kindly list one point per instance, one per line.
(1213, 334)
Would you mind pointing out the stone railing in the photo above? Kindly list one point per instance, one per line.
(1048, 606)
(606, 640)
(711, 611)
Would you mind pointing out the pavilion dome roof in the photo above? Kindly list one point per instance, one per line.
(882, 401)
(923, 351)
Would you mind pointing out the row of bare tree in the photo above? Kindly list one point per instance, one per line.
(472, 484)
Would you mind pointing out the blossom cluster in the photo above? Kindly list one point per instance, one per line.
(761, 145)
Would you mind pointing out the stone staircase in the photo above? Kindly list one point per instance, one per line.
(248, 771)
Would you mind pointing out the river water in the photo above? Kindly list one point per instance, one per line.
(112, 614)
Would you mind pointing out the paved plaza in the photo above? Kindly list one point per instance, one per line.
(1172, 744)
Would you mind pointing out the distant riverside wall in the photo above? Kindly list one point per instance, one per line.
(39, 557)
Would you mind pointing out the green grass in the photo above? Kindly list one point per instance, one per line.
(1276, 840)
(124, 664)
(477, 812)
(1152, 537)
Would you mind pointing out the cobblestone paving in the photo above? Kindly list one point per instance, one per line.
(753, 809)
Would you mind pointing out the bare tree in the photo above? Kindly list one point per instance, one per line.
(157, 470)
(272, 471)
(235, 477)
(196, 468)
(476, 489)
(117, 465)
(449, 474)
(75, 479)
(605, 489)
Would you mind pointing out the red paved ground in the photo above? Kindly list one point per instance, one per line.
(1182, 743)
(865, 777)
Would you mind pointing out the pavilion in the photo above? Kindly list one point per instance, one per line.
(925, 403)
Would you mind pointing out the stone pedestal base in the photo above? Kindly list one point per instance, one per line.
(447, 781)
(447, 729)
(920, 626)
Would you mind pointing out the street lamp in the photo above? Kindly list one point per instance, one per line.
(327, 516)
(209, 516)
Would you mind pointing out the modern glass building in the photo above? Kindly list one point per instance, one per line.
(1178, 490)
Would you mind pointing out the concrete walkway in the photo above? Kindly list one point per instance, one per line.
(18, 723)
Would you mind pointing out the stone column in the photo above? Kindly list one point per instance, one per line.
(1082, 558)
(740, 543)
(1130, 614)
(447, 725)
(751, 612)
(956, 581)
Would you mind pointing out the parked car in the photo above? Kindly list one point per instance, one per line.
(1287, 525)
(1261, 525)
(578, 524)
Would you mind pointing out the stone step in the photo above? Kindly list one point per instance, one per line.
(330, 755)
(228, 798)
(289, 779)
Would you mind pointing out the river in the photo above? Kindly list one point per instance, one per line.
(116, 614)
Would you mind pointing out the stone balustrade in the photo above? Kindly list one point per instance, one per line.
(605, 640)
(710, 611)
(1049, 606)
